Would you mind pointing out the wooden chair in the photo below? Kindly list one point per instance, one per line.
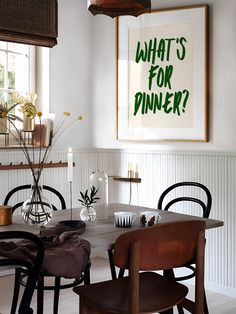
(163, 246)
(205, 205)
(21, 273)
(32, 268)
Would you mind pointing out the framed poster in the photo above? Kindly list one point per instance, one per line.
(162, 75)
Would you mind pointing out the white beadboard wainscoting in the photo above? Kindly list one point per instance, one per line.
(158, 170)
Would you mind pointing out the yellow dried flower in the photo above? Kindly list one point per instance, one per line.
(4, 114)
(66, 113)
(39, 114)
(80, 117)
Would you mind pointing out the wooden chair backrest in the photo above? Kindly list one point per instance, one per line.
(163, 246)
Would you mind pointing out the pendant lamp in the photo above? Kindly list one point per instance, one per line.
(114, 8)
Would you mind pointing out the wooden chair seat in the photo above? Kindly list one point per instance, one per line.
(112, 296)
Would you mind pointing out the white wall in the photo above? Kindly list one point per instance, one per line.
(70, 71)
(222, 47)
(83, 77)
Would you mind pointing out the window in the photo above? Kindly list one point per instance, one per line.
(16, 70)
(24, 69)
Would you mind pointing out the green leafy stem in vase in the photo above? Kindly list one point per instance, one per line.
(88, 199)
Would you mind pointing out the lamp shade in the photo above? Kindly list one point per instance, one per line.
(114, 8)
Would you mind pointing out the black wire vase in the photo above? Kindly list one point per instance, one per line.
(37, 210)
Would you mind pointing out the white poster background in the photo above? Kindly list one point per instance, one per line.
(180, 80)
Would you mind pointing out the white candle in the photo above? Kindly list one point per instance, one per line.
(130, 166)
(70, 165)
(136, 175)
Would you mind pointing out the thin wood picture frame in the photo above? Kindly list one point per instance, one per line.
(162, 75)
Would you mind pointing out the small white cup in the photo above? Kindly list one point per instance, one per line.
(124, 219)
(149, 218)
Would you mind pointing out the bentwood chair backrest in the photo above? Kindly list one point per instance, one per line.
(205, 205)
(14, 191)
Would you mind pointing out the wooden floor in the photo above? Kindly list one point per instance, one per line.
(218, 304)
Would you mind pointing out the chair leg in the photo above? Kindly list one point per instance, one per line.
(40, 294)
(87, 276)
(24, 307)
(169, 273)
(121, 273)
(56, 294)
(180, 309)
(16, 291)
(206, 311)
(112, 266)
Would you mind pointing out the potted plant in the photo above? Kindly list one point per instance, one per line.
(28, 108)
(87, 199)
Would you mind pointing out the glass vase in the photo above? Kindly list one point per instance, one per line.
(37, 210)
(99, 179)
(88, 214)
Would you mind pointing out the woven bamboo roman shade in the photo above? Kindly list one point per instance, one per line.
(32, 22)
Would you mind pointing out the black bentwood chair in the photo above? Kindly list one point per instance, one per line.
(32, 268)
(21, 273)
(205, 204)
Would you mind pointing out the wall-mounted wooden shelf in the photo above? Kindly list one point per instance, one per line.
(126, 179)
(34, 166)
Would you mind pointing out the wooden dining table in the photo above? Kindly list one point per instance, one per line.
(102, 233)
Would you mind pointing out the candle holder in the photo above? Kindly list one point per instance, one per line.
(71, 223)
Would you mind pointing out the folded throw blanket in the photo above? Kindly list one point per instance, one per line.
(66, 253)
